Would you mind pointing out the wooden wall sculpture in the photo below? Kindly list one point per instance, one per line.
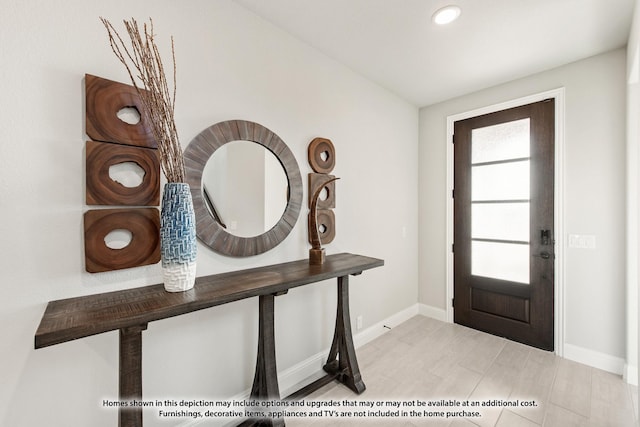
(322, 158)
(322, 155)
(104, 99)
(102, 190)
(144, 248)
(120, 142)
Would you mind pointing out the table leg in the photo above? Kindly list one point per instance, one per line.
(130, 384)
(342, 359)
(265, 381)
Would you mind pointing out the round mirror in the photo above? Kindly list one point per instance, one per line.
(246, 187)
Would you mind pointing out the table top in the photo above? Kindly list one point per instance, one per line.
(73, 318)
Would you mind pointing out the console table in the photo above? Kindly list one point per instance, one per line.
(131, 310)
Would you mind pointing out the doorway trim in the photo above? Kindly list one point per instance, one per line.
(558, 193)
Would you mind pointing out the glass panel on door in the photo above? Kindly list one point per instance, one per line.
(501, 181)
(500, 221)
(505, 261)
(500, 200)
(501, 142)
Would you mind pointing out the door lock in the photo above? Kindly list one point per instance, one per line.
(545, 237)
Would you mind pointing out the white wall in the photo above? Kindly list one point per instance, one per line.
(594, 194)
(633, 194)
(231, 65)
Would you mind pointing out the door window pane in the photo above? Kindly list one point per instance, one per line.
(503, 261)
(503, 221)
(502, 181)
(500, 142)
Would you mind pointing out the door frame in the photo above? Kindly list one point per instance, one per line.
(558, 194)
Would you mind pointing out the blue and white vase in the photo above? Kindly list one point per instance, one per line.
(178, 237)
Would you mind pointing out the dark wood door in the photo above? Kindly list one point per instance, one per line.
(503, 223)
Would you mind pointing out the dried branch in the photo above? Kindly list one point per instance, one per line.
(143, 63)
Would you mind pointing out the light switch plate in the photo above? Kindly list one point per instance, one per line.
(582, 241)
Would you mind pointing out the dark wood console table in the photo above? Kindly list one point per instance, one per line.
(129, 311)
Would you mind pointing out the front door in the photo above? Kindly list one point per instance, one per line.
(503, 223)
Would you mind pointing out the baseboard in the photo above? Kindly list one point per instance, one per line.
(593, 358)
(367, 335)
(630, 374)
(433, 312)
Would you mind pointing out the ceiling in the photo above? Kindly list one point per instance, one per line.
(395, 44)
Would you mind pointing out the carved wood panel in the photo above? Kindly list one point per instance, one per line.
(104, 99)
(144, 248)
(102, 190)
(322, 159)
(122, 142)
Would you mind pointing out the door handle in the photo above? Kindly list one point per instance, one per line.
(544, 255)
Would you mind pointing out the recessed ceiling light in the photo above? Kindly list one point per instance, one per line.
(446, 15)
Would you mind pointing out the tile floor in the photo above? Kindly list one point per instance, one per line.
(426, 359)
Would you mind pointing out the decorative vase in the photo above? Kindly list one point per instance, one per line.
(178, 237)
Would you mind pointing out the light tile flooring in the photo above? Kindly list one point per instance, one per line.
(427, 359)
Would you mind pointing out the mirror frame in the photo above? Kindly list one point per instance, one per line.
(208, 230)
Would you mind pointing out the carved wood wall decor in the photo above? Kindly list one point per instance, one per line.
(102, 190)
(322, 155)
(121, 143)
(321, 220)
(104, 99)
(326, 226)
(318, 179)
(316, 253)
(144, 248)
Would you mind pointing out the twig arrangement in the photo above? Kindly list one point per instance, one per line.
(143, 57)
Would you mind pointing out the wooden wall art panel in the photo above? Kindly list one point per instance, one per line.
(321, 219)
(144, 248)
(102, 190)
(322, 155)
(315, 181)
(104, 99)
(326, 226)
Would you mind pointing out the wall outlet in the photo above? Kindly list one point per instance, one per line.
(359, 323)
